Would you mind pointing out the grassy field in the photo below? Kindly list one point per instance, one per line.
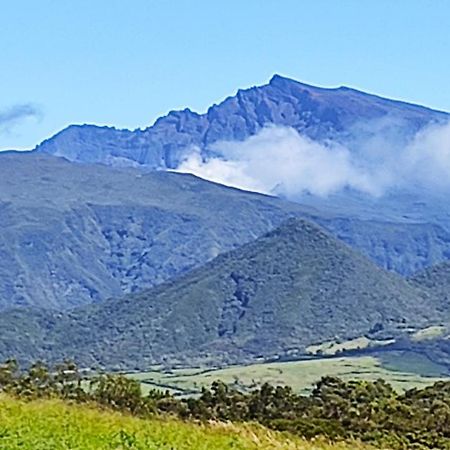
(403, 371)
(54, 425)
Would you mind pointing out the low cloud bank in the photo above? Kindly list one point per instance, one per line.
(279, 160)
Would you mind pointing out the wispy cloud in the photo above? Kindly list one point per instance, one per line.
(279, 160)
(16, 114)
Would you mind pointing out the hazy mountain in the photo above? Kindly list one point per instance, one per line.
(400, 231)
(403, 230)
(73, 233)
(436, 280)
(293, 287)
(78, 233)
(340, 114)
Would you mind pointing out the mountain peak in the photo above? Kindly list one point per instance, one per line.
(298, 225)
(288, 289)
(281, 81)
(317, 112)
(277, 78)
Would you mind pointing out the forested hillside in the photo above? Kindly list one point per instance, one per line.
(294, 287)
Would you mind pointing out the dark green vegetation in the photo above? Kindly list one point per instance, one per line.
(156, 243)
(436, 279)
(74, 234)
(434, 341)
(271, 298)
(369, 411)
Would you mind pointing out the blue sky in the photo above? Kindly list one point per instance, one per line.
(124, 63)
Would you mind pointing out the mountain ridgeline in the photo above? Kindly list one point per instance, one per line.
(124, 267)
(319, 113)
(291, 288)
(73, 233)
(385, 229)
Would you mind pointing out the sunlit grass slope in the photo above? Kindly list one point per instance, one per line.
(55, 425)
(402, 370)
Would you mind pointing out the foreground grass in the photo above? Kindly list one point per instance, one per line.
(55, 425)
(402, 371)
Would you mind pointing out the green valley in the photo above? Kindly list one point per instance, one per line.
(401, 369)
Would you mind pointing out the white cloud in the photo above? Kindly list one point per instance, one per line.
(427, 159)
(280, 160)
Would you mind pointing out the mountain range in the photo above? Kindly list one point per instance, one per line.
(74, 233)
(109, 256)
(273, 297)
(413, 224)
(339, 114)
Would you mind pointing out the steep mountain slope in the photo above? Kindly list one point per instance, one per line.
(436, 281)
(405, 246)
(78, 233)
(73, 234)
(432, 342)
(398, 241)
(291, 288)
(319, 113)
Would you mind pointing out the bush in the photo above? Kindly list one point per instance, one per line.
(369, 411)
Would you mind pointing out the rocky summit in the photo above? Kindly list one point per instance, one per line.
(341, 114)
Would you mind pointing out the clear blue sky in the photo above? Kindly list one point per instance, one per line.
(126, 62)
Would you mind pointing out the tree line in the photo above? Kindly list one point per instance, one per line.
(370, 411)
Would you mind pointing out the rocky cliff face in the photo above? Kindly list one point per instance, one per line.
(316, 112)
